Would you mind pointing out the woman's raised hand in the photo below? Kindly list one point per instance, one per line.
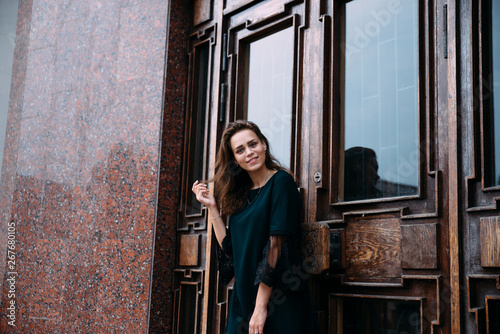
(203, 195)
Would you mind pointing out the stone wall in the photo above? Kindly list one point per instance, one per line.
(82, 167)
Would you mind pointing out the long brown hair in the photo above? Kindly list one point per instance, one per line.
(232, 183)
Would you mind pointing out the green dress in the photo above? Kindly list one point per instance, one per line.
(273, 214)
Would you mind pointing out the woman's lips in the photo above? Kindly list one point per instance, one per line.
(251, 161)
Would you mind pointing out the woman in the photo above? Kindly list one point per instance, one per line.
(261, 245)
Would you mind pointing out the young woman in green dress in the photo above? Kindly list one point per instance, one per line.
(260, 247)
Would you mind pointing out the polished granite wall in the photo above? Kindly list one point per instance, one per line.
(82, 167)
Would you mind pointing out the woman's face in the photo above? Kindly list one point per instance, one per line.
(248, 150)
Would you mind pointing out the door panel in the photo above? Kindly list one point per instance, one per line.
(379, 114)
(355, 99)
(387, 172)
(268, 97)
(264, 78)
(480, 228)
(193, 262)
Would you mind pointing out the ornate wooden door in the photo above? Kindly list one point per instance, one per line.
(479, 175)
(383, 189)
(371, 104)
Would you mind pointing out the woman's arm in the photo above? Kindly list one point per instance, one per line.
(224, 249)
(204, 196)
(218, 224)
(259, 315)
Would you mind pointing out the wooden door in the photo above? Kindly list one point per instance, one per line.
(480, 224)
(383, 188)
(359, 100)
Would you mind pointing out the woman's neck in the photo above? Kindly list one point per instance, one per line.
(260, 177)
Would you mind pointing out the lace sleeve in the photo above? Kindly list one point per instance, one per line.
(225, 259)
(275, 262)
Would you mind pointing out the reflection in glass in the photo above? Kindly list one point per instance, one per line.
(8, 22)
(491, 84)
(197, 135)
(367, 316)
(270, 90)
(381, 99)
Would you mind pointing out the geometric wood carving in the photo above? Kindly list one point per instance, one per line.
(373, 247)
(490, 242)
(188, 292)
(316, 247)
(189, 246)
(419, 248)
(429, 297)
(339, 301)
(482, 292)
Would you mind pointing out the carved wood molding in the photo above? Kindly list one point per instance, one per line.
(415, 246)
(184, 280)
(189, 249)
(377, 246)
(404, 212)
(222, 307)
(437, 280)
(316, 247)
(192, 222)
(479, 305)
(188, 276)
(430, 302)
(479, 195)
(490, 241)
(408, 212)
(205, 36)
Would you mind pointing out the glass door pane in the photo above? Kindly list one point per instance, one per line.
(492, 84)
(198, 123)
(270, 90)
(368, 316)
(380, 106)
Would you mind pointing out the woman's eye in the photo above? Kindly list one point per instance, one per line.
(240, 150)
(253, 144)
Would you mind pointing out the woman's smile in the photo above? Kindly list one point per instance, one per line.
(251, 161)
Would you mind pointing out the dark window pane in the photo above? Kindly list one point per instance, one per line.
(8, 22)
(491, 87)
(369, 316)
(494, 315)
(187, 309)
(197, 126)
(380, 100)
(270, 90)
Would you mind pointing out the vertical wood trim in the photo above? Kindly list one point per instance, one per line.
(206, 284)
(209, 283)
(453, 163)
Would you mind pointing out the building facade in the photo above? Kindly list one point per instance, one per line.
(385, 111)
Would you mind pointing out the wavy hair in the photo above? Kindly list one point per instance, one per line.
(232, 183)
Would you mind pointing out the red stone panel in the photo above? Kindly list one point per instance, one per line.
(82, 157)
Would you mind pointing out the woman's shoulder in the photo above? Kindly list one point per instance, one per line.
(283, 178)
